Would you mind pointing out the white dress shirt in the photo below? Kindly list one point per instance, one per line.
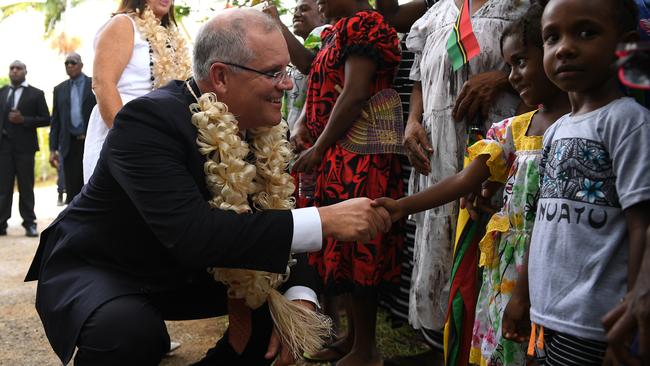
(307, 237)
(17, 93)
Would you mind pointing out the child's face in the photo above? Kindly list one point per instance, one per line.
(527, 71)
(580, 38)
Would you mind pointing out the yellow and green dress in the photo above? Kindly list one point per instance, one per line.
(514, 160)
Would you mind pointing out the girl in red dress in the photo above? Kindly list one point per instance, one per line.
(360, 54)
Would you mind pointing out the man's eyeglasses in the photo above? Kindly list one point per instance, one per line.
(277, 77)
(70, 62)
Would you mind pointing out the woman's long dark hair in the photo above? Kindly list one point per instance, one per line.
(131, 5)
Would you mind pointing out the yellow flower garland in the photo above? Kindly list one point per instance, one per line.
(170, 58)
(231, 180)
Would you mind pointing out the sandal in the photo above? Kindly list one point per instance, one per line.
(336, 350)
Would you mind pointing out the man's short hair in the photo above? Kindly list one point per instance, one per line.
(73, 56)
(224, 39)
(18, 63)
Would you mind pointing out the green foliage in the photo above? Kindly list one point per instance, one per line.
(181, 11)
(246, 3)
(401, 341)
(52, 9)
(4, 80)
(9, 10)
(42, 169)
(391, 341)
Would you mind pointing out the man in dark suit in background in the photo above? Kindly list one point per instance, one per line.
(131, 250)
(73, 103)
(22, 110)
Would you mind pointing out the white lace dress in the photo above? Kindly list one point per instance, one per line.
(134, 82)
(440, 86)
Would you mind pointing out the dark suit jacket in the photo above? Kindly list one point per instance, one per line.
(33, 107)
(142, 224)
(60, 129)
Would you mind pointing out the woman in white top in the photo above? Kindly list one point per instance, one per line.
(137, 50)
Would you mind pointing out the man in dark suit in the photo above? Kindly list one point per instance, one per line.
(131, 249)
(73, 103)
(22, 110)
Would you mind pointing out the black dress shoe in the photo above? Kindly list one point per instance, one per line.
(3, 232)
(31, 231)
(224, 355)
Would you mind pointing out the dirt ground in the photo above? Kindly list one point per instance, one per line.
(22, 339)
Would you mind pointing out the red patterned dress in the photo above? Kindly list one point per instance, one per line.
(343, 174)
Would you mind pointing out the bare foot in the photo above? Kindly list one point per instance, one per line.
(356, 358)
(332, 352)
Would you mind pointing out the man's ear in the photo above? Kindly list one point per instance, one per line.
(219, 77)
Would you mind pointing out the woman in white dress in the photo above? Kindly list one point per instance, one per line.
(436, 142)
(137, 50)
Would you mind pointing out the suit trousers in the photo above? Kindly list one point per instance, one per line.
(130, 330)
(60, 179)
(14, 166)
(73, 168)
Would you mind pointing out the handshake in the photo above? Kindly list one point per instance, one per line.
(358, 218)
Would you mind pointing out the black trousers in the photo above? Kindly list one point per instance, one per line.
(130, 330)
(73, 168)
(20, 166)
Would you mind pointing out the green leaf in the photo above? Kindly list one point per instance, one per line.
(10, 10)
(181, 11)
(52, 9)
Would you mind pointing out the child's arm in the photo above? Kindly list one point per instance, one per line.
(515, 324)
(481, 202)
(638, 221)
(445, 191)
(634, 312)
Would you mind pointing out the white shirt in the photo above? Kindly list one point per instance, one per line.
(307, 237)
(17, 93)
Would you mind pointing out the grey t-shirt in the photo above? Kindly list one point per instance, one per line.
(593, 167)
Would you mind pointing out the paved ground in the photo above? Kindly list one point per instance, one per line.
(22, 340)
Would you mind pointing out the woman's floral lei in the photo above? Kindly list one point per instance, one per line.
(169, 57)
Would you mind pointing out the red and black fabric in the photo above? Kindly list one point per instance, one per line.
(363, 34)
(343, 174)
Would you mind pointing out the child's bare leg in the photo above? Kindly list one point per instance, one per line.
(364, 317)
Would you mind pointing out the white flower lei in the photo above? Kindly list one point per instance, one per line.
(231, 180)
(170, 58)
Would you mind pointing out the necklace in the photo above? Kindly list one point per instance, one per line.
(232, 180)
(168, 56)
